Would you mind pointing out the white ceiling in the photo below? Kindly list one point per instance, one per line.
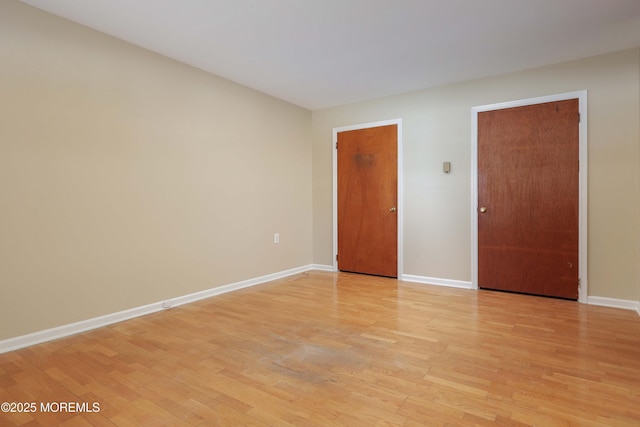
(322, 53)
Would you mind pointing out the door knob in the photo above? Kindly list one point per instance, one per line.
(393, 209)
(483, 209)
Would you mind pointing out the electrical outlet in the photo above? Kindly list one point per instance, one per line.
(276, 238)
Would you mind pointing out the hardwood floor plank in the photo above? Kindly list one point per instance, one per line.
(327, 349)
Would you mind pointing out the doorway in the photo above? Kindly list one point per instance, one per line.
(529, 207)
(368, 199)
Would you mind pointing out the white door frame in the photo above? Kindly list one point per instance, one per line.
(582, 215)
(400, 211)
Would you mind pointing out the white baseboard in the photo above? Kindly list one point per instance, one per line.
(438, 282)
(615, 303)
(97, 322)
(321, 267)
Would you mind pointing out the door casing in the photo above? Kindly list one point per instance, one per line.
(582, 215)
(400, 204)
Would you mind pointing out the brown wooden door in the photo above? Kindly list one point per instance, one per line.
(367, 198)
(528, 199)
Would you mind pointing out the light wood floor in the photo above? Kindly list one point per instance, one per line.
(341, 349)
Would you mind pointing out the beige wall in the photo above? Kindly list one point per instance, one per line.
(127, 178)
(437, 128)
